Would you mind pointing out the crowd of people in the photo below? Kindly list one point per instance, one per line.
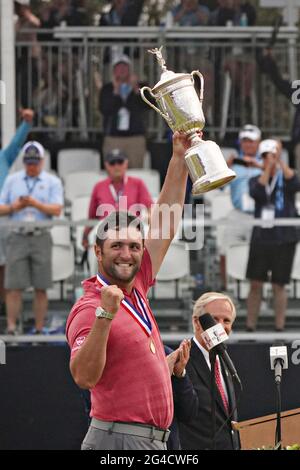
(128, 12)
(54, 101)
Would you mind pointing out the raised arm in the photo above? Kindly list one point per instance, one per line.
(268, 65)
(12, 150)
(166, 213)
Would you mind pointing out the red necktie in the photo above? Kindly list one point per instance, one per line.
(220, 385)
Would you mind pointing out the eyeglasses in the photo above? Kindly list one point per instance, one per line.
(116, 162)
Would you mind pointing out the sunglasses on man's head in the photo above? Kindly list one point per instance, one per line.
(116, 162)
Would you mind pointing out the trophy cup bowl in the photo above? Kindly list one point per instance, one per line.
(179, 104)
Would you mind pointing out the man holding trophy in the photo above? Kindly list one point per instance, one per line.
(116, 349)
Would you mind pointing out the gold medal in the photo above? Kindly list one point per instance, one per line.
(152, 347)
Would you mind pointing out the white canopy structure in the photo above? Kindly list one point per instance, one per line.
(7, 67)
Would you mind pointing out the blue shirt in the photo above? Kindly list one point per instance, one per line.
(46, 188)
(190, 18)
(239, 187)
(9, 154)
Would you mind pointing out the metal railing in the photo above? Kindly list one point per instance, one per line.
(61, 72)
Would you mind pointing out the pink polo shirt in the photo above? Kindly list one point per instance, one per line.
(124, 197)
(135, 385)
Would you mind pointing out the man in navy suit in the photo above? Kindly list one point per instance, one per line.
(184, 395)
(197, 433)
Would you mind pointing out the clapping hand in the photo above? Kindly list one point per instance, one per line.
(183, 357)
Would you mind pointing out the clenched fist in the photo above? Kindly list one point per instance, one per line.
(27, 115)
(111, 297)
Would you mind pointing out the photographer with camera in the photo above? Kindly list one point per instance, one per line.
(272, 247)
(246, 166)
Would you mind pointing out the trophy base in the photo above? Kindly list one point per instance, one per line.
(207, 167)
(208, 183)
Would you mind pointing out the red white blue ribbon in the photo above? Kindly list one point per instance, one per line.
(141, 317)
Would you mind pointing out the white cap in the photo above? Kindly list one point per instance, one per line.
(33, 150)
(250, 132)
(23, 2)
(268, 146)
(123, 58)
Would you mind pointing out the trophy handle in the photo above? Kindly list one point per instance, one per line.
(142, 92)
(196, 72)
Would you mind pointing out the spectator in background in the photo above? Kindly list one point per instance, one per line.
(70, 12)
(231, 11)
(191, 13)
(123, 113)
(272, 248)
(117, 192)
(30, 195)
(77, 13)
(195, 56)
(7, 157)
(245, 167)
(122, 13)
(53, 102)
(268, 66)
(214, 18)
(27, 56)
(9, 154)
(237, 60)
(54, 13)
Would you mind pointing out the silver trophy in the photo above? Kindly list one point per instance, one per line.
(179, 104)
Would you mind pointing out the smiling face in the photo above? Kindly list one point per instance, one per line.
(221, 312)
(121, 255)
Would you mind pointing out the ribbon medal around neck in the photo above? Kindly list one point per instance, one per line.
(141, 317)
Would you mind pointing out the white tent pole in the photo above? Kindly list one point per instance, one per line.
(8, 82)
